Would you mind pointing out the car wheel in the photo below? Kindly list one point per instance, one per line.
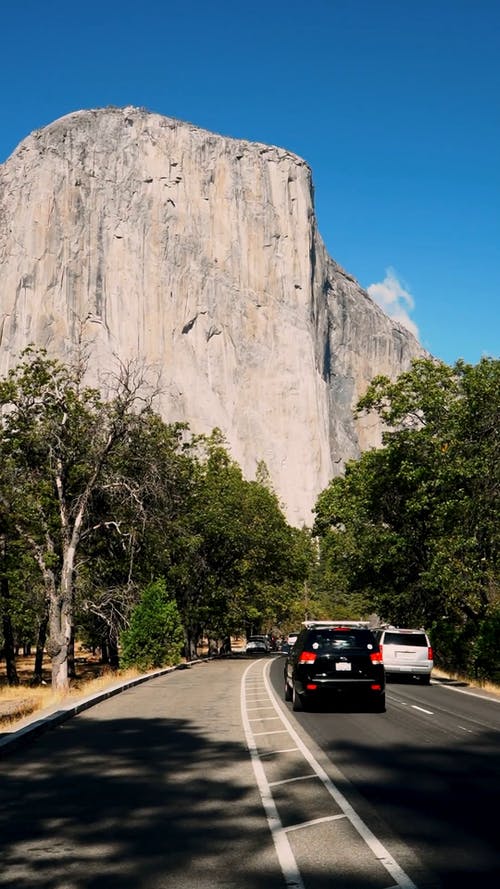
(297, 702)
(425, 680)
(379, 705)
(288, 691)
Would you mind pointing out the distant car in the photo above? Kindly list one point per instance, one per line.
(256, 644)
(332, 660)
(406, 653)
(288, 643)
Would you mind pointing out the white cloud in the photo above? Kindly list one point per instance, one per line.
(394, 299)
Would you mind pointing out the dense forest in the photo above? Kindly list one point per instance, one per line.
(412, 529)
(140, 539)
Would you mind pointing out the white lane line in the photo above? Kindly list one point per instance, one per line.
(250, 709)
(314, 821)
(275, 752)
(284, 852)
(402, 879)
(281, 731)
(422, 710)
(264, 718)
(291, 780)
(464, 691)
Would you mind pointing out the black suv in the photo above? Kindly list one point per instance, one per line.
(332, 659)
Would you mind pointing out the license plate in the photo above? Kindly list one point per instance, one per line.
(342, 666)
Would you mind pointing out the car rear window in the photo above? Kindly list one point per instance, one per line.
(335, 640)
(415, 639)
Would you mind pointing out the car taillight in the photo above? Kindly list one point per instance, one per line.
(430, 654)
(307, 657)
(311, 686)
(376, 656)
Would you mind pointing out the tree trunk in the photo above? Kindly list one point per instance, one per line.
(40, 649)
(71, 655)
(61, 622)
(114, 659)
(8, 635)
(104, 650)
(190, 647)
(59, 638)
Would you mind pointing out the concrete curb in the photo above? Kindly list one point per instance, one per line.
(48, 719)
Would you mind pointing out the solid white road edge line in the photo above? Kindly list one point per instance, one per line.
(380, 852)
(284, 852)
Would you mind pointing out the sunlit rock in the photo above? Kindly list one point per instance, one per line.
(148, 238)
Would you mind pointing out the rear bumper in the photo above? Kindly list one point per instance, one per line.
(325, 687)
(409, 669)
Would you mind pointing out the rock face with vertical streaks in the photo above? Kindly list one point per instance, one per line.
(198, 254)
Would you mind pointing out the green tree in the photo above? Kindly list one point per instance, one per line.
(155, 636)
(138, 527)
(237, 557)
(413, 526)
(57, 438)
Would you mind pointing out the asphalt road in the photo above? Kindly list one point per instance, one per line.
(425, 772)
(203, 778)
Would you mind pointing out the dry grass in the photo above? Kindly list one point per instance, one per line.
(485, 686)
(18, 702)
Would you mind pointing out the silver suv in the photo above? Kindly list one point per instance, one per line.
(406, 653)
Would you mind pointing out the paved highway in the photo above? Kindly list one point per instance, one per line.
(424, 774)
(203, 778)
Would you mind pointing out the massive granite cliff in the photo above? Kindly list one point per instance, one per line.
(199, 254)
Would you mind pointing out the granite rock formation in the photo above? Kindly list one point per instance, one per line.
(200, 255)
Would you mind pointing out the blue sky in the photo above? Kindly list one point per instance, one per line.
(395, 104)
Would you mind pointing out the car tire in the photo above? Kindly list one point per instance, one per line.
(425, 680)
(379, 705)
(297, 702)
(288, 691)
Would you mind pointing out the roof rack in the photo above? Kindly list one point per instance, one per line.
(400, 629)
(336, 623)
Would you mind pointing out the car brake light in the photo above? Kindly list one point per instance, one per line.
(311, 686)
(307, 657)
(430, 654)
(376, 687)
(376, 657)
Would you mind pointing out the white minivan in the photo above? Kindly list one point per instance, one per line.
(406, 653)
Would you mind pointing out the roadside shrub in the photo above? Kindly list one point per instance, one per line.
(155, 636)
